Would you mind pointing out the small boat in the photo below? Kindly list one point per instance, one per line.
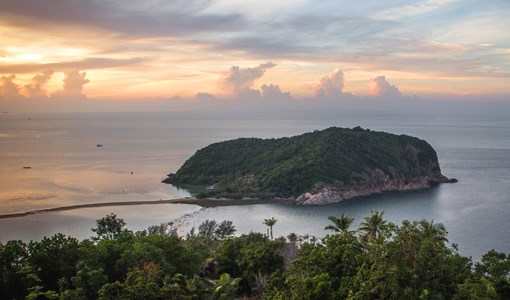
(99, 145)
(27, 168)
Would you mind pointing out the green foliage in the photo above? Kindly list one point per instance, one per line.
(225, 229)
(109, 227)
(481, 289)
(17, 275)
(251, 257)
(495, 267)
(379, 260)
(211, 230)
(270, 223)
(340, 224)
(54, 258)
(250, 167)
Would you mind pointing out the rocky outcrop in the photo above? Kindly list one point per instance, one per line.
(329, 193)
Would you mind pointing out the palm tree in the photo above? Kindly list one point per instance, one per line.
(270, 223)
(433, 231)
(373, 225)
(340, 224)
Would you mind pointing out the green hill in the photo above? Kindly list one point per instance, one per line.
(335, 163)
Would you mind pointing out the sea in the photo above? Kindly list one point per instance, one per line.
(52, 160)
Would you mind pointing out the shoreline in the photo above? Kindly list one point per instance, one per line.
(211, 202)
(206, 202)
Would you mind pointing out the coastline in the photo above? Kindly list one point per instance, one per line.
(323, 197)
(205, 202)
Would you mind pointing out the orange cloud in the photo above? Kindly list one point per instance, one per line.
(36, 87)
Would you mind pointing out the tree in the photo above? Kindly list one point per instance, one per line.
(292, 237)
(54, 258)
(434, 231)
(163, 229)
(495, 266)
(16, 274)
(410, 261)
(225, 229)
(207, 229)
(270, 223)
(340, 224)
(477, 290)
(109, 227)
(373, 225)
(87, 282)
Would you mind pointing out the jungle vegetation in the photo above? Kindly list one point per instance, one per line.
(290, 166)
(376, 260)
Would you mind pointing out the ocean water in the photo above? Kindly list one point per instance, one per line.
(67, 168)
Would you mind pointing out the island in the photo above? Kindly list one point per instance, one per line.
(315, 168)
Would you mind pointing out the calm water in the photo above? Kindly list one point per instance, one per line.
(68, 168)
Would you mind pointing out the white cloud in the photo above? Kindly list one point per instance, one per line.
(331, 85)
(411, 10)
(380, 87)
(239, 80)
(273, 91)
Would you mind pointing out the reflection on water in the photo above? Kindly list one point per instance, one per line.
(68, 168)
(79, 222)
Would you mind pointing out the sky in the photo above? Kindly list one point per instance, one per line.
(194, 53)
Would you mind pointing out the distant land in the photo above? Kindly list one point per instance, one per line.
(315, 168)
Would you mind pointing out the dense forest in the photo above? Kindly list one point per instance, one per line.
(288, 167)
(378, 260)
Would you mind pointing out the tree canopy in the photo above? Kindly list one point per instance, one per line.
(378, 260)
(289, 167)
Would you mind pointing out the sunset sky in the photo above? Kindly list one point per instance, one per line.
(139, 50)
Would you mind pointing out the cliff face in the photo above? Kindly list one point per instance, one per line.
(314, 168)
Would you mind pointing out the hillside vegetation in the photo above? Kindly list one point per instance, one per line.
(289, 167)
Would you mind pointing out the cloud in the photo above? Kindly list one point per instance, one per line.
(136, 18)
(8, 88)
(35, 89)
(85, 64)
(240, 80)
(328, 33)
(380, 87)
(273, 91)
(311, 35)
(410, 10)
(331, 85)
(73, 84)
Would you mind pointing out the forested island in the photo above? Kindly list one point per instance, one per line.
(319, 167)
(376, 260)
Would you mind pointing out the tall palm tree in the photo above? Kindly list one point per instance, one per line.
(433, 231)
(373, 225)
(340, 224)
(270, 223)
